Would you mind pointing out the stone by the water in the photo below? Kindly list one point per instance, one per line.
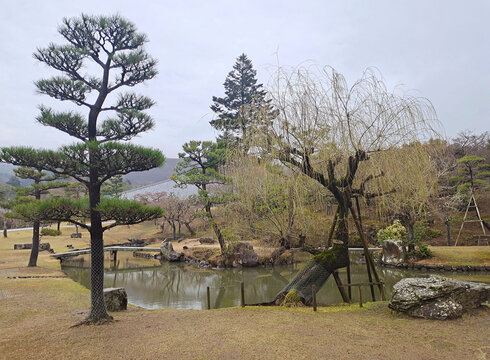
(168, 252)
(206, 240)
(393, 252)
(244, 255)
(116, 299)
(437, 297)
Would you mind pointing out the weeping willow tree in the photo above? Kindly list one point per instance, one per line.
(413, 185)
(273, 197)
(346, 138)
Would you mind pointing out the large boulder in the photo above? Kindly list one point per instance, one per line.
(116, 299)
(245, 255)
(168, 252)
(437, 297)
(393, 252)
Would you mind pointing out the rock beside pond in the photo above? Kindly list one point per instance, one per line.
(206, 240)
(168, 252)
(437, 297)
(116, 299)
(393, 252)
(244, 255)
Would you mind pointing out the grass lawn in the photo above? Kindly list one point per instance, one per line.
(459, 255)
(36, 315)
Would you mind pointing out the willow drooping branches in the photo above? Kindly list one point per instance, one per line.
(344, 137)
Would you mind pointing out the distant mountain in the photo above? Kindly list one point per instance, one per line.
(136, 179)
(6, 171)
(152, 176)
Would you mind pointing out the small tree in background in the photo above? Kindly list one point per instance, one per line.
(42, 183)
(115, 51)
(115, 187)
(243, 100)
(200, 167)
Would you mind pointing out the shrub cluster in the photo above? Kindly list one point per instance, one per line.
(50, 232)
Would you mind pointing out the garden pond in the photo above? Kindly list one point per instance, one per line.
(154, 285)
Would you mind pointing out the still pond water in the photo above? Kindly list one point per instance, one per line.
(152, 285)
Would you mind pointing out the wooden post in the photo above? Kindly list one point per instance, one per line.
(313, 292)
(382, 292)
(208, 297)
(370, 277)
(369, 259)
(113, 255)
(360, 296)
(349, 290)
(242, 293)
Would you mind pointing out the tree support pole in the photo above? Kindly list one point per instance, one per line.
(336, 276)
(369, 259)
(370, 277)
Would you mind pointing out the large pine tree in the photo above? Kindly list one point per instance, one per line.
(114, 50)
(244, 101)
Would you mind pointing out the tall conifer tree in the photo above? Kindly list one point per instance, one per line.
(244, 101)
(115, 50)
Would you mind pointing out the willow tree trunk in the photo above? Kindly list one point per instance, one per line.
(35, 244)
(317, 271)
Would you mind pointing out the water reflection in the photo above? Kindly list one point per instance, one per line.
(181, 286)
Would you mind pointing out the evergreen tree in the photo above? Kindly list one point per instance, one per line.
(42, 183)
(200, 167)
(113, 46)
(115, 187)
(244, 102)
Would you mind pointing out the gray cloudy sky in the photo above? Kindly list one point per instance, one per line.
(435, 49)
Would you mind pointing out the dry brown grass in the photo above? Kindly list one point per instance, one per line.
(36, 317)
(459, 255)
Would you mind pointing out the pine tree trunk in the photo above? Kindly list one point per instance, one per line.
(59, 225)
(98, 310)
(216, 229)
(35, 244)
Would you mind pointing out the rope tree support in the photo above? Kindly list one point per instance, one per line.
(475, 206)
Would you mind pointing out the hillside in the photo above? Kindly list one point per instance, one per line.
(141, 178)
(136, 179)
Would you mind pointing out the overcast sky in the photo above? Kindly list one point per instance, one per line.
(436, 49)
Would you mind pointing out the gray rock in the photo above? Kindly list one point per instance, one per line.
(44, 246)
(116, 299)
(393, 252)
(437, 297)
(136, 242)
(168, 252)
(206, 240)
(245, 255)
